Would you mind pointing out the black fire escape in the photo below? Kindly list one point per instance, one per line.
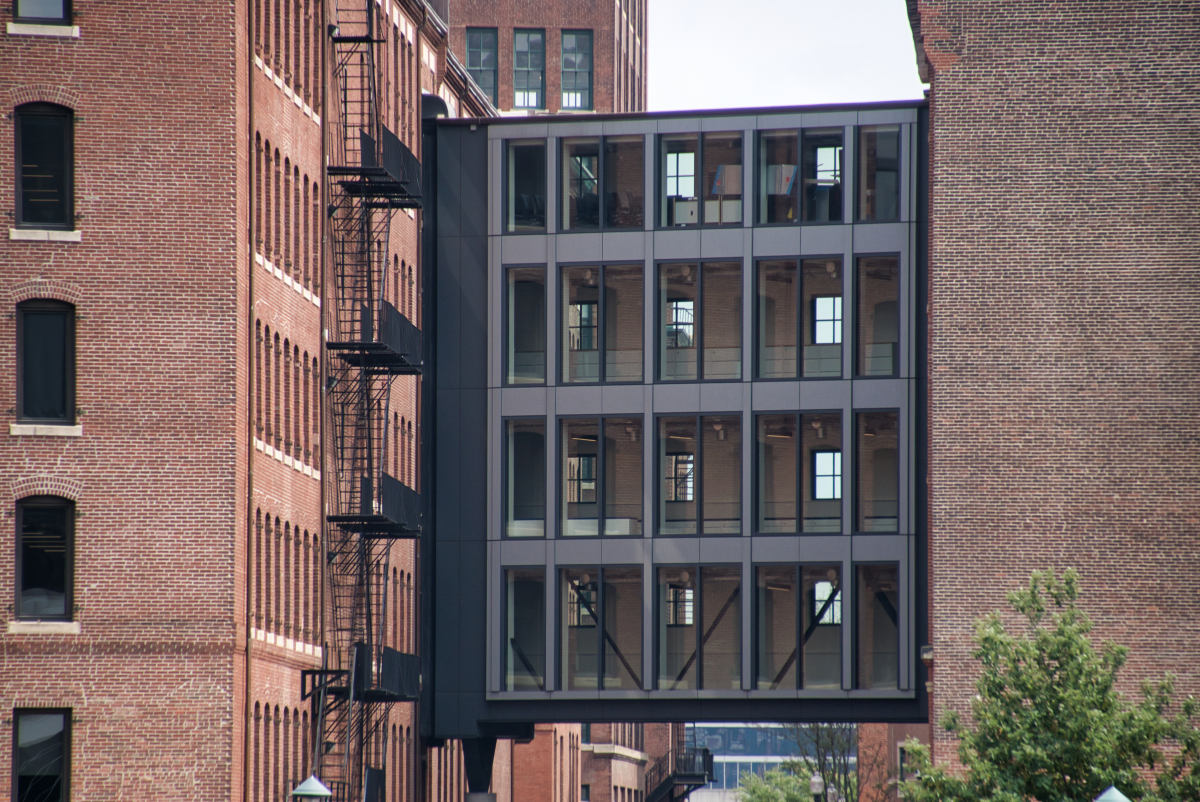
(683, 769)
(368, 342)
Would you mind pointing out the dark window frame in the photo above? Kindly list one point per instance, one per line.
(504, 622)
(600, 616)
(857, 466)
(805, 318)
(698, 316)
(601, 327)
(697, 473)
(509, 144)
(802, 492)
(854, 628)
(505, 479)
(495, 71)
(856, 291)
(65, 19)
(697, 619)
(66, 713)
(660, 178)
(601, 473)
(591, 70)
(542, 91)
(901, 182)
(44, 305)
(802, 598)
(602, 188)
(45, 501)
(68, 115)
(506, 313)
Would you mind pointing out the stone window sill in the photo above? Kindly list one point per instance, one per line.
(45, 235)
(45, 430)
(29, 29)
(43, 628)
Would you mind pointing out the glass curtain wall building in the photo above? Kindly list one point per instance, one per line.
(678, 410)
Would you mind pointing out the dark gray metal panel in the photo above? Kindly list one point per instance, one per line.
(449, 302)
(473, 339)
(445, 714)
(472, 621)
(471, 451)
(447, 480)
(448, 648)
(474, 183)
(449, 173)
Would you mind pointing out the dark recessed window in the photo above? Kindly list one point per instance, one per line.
(878, 313)
(798, 627)
(525, 477)
(526, 181)
(877, 626)
(602, 324)
(879, 173)
(601, 183)
(700, 321)
(41, 755)
(529, 69)
(799, 458)
(878, 475)
(43, 12)
(600, 640)
(700, 463)
(482, 58)
(576, 69)
(45, 529)
(526, 332)
(45, 161)
(46, 362)
(699, 621)
(524, 629)
(601, 476)
(821, 161)
(805, 309)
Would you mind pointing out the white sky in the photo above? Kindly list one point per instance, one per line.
(713, 54)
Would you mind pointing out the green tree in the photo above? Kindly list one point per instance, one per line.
(1048, 722)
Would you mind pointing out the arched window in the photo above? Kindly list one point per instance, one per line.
(46, 362)
(44, 556)
(45, 151)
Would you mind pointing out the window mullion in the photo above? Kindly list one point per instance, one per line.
(698, 620)
(601, 332)
(698, 477)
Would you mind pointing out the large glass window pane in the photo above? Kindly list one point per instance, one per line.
(576, 69)
(777, 459)
(878, 471)
(580, 477)
(680, 202)
(580, 178)
(721, 625)
(624, 181)
(46, 350)
(623, 323)
(525, 478)
(878, 316)
(42, 10)
(777, 177)
(721, 474)
(877, 626)
(43, 551)
(721, 299)
(581, 324)
(822, 472)
(622, 629)
(822, 159)
(879, 172)
(622, 488)
(677, 615)
(579, 641)
(481, 59)
(775, 617)
(722, 179)
(822, 284)
(524, 646)
(41, 759)
(822, 627)
(526, 325)
(679, 295)
(777, 319)
(44, 142)
(526, 178)
(677, 455)
(529, 69)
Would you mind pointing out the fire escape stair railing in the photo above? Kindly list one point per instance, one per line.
(679, 772)
(369, 342)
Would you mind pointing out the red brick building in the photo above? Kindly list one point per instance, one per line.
(555, 56)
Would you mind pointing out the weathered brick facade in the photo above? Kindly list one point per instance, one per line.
(1062, 323)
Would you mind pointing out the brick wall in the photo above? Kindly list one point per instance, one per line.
(1063, 328)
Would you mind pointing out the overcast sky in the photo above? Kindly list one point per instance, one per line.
(711, 54)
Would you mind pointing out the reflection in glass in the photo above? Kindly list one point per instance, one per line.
(721, 627)
(45, 542)
(822, 175)
(481, 59)
(41, 752)
(877, 626)
(878, 316)
(677, 667)
(677, 455)
(822, 472)
(526, 325)
(581, 324)
(821, 636)
(678, 294)
(623, 323)
(879, 172)
(622, 628)
(525, 478)
(721, 313)
(721, 474)
(580, 477)
(622, 488)
(680, 203)
(777, 321)
(624, 185)
(878, 471)
(526, 181)
(529, 69)
(722, 178)
(822, 285)
(580, 660)
(580, 178)
(524, 629)
(777, 177)
(775, 638)
(576, 69)
(777, 460)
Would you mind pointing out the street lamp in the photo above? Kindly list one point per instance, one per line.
(816, 787)
(311, 789)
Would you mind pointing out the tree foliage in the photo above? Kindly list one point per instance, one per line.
(832, 750)
(1048, 721)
